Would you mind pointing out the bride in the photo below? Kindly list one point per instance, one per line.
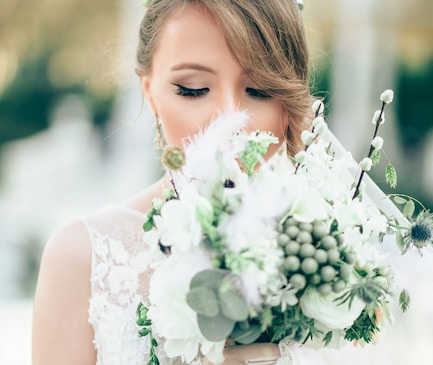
(195, 59)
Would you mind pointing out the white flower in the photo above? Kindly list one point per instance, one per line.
(307, 204)
(178, 225)
(172, 318)
(387, 96)
(331, 313)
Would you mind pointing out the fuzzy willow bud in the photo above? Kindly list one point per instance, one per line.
(376, 117)
(318, 107)
(387, 96)
(307, 138)
(366, 164)
(377, 143)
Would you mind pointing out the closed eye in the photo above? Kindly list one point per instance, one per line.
(256, 93)
(190, 93)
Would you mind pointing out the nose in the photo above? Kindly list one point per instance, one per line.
(230, 100)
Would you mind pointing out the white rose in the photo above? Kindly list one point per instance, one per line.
(327, 311)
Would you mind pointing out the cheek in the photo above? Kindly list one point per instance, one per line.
(270, 117)
(180, 118)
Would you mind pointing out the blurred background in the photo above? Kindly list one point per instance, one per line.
(75, 132)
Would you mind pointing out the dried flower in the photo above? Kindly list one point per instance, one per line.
(173, 158)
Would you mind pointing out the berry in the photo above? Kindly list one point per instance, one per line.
(309, 266)
(283, 239)
(298, 281)
(292, 231)
(321, 256)
(304, 237)
(338, 286)
(319, 230)
(307, 227)
(327, 273)
(328, 242)
(292, 248)
(292, 263)
(333, 256)
(325, 289)
(307, 250)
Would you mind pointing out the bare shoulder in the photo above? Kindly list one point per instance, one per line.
(71, 242)
(61, 332)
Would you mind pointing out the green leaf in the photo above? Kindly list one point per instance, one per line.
(327, 338)
(375, 157)
(409, 209)
(246, 334)
(216, 328)
(404, 300)
(399, 200)
(233, 306)
(148, 225)
(391, 176)
(401, 244)
(203, 300)
(208, 278)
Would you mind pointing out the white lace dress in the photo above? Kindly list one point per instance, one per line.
(119, 281)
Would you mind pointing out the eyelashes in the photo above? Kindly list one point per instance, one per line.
(256, 93)
(190, 93)
(195, 93)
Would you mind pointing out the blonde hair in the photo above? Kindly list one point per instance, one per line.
(266, 37)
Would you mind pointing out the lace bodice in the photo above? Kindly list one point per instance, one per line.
(119, 281)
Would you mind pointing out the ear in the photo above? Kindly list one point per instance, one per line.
(147, 92)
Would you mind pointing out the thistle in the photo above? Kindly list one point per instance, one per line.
(420, 233)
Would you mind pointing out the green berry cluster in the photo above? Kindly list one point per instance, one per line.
(314, 256)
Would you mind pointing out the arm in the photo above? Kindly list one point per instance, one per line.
(61, 332)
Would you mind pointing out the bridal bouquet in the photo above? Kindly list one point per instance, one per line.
(276, 250)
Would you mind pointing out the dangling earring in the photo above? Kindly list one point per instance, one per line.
(159, 141)
(173, 157)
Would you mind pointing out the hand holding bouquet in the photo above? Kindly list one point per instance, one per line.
(271, 251)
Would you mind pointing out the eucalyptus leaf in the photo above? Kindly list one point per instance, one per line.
(246, 334)
(209, 278)
(203, 300)
(399, 200)
(216, 328)
(233, 305)
(409, 209)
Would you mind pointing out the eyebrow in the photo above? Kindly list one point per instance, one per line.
(192, 66)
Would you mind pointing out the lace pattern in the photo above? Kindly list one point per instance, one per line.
(119, 280)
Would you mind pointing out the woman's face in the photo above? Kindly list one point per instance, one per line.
(194, 77)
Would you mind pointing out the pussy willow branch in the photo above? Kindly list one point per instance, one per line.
(316, 114)
(371, 150)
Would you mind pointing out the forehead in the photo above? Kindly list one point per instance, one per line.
(191, 31)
